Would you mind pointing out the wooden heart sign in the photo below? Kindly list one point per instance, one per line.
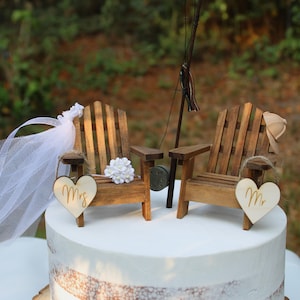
(75, 197)
(255, 202)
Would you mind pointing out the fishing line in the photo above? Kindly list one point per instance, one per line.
(178, 80)
(169, 114)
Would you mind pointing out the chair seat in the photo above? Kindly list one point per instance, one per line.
(109, 193)
(217, 179)
(217, 189)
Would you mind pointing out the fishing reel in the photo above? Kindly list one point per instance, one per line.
(159, 177)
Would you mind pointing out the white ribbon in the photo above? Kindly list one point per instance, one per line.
(28, 170)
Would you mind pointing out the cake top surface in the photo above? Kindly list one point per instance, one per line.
(206, 230)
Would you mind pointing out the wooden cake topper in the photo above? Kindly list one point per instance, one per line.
(256, 202)
(75, 197)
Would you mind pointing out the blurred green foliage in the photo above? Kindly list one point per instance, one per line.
(32, 31)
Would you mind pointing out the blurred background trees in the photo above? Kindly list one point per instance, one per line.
(33, 32)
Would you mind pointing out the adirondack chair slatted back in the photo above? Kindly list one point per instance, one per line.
(102, 135)
(240, 133)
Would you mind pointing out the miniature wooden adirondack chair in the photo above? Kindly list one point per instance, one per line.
(240, 133)
(102, 135)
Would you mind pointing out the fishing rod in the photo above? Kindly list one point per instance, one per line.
(188, 95)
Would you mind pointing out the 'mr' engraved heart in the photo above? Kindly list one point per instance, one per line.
(255, 202)
(75, 197)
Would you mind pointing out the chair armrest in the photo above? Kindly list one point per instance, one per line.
(147, 154)
(72, 158)
(187, 152)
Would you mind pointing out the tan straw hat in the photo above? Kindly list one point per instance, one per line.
(275, 126)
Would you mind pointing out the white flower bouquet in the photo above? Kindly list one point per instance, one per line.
(120, 170)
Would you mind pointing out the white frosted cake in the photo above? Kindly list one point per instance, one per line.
(206, 255)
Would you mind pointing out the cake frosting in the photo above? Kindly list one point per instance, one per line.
(206, 255)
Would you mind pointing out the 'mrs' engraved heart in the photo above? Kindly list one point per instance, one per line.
(75, 197)
(255, 202)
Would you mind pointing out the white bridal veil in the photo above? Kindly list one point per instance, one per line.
(28, 169)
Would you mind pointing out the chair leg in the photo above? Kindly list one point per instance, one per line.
(182, 209)
(146, 205)
(146, 209)
(247, 224)
(80, 221)
(183, 204)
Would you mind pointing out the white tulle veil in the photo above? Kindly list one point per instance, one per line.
(28, 168)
